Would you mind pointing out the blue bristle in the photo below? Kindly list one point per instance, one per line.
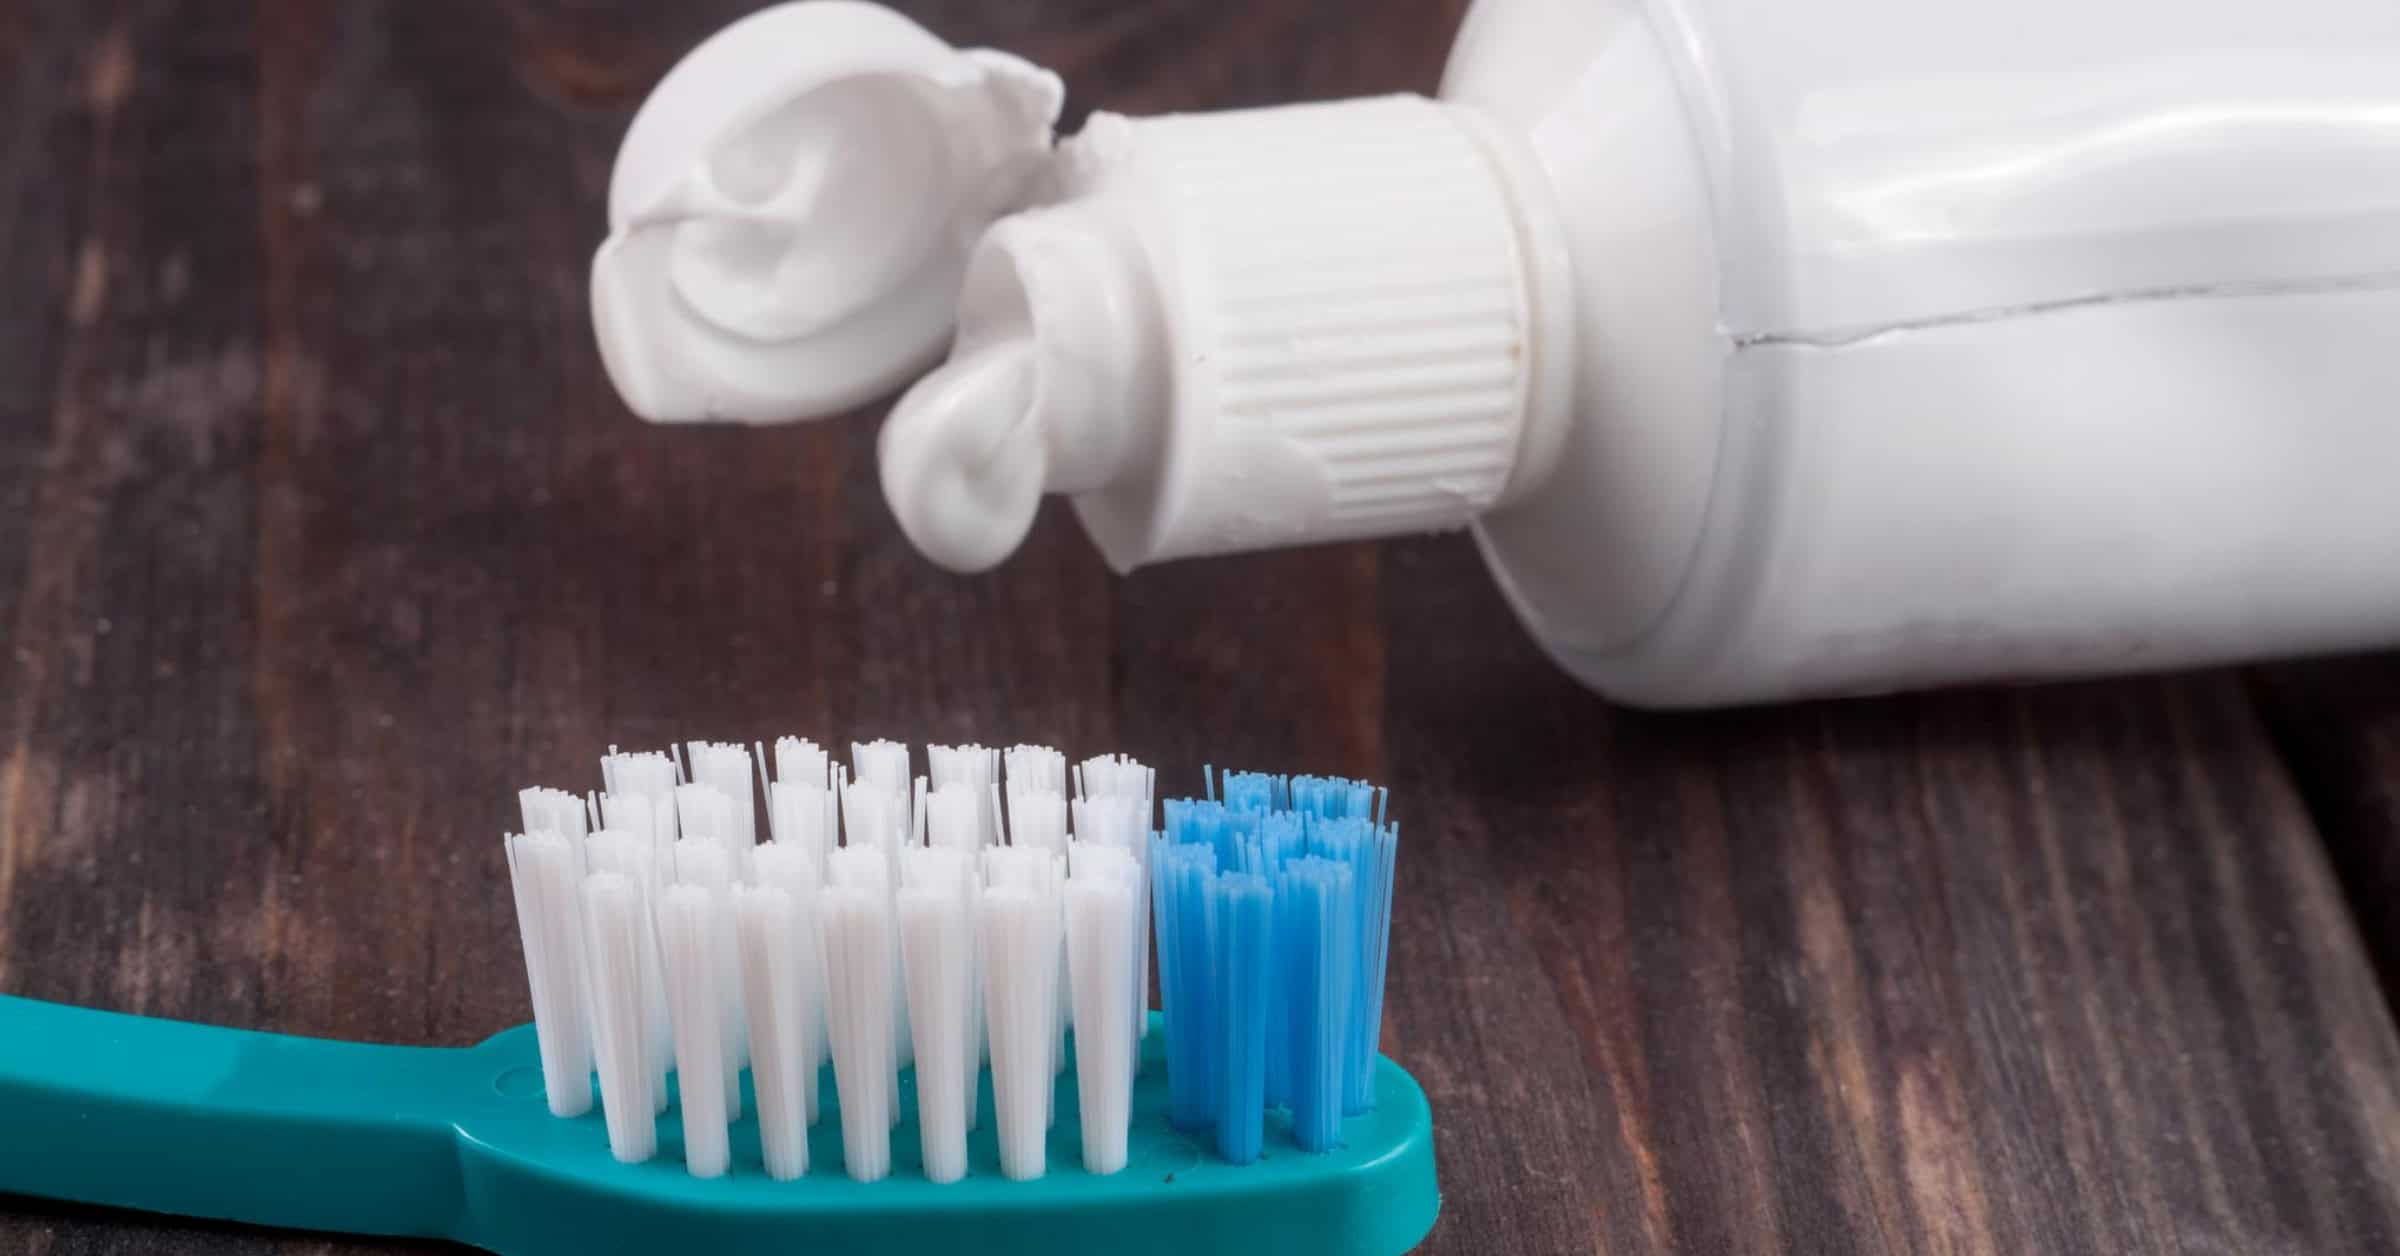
(1314, 932)
(1332, 797)
(1285, 836)
(1255, 791)
(1282, 838)
(1368, 850)
(1313, 859)
(1180, 879)
(1244, 916)
(1212, 824)
(1367, 1020)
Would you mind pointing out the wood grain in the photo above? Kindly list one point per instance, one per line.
(331, 535)
(2046, 970)
(2337, 723)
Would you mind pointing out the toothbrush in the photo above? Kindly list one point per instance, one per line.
(457, 1143)
(628, 933)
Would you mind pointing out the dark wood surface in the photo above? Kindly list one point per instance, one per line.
(325, 533)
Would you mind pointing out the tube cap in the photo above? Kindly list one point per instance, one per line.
(1238, 331)
(1349, 315)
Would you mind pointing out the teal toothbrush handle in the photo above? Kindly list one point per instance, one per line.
(165, 1116)
(457, 1143)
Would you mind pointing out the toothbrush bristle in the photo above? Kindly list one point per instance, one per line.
(616, 938)
(800, 875)
(936, 928)
(725, 767)
(975, 769)
(968, 916)
(803, 818)
(1316, 951)
(1037, 818)
(1036, 767)
(858, 997)
(882, 764)
(633, 857)
(687, 939)
(782, 1040)
(798, 760)
(703, 864)
(548, 810)
(1100, 894)
(1020, 928)
(1243, 907)
(545, 876)
(648, 773)
(954, 817)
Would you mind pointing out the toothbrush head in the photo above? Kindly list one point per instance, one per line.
(536, 1185)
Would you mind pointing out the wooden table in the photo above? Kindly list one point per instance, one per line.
(327, 533)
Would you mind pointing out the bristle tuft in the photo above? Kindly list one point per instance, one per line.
(782, 1039)
(617, 945)
(1020, 936)
(545, 875)
(687, 938)
(858, 999)
(936, 942)
(1100, 897)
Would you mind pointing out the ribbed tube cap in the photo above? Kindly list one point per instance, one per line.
(1347, 316)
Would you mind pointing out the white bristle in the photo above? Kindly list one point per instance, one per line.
(650, 819)
(935, 939)
(804, 818)
(1036, 767)
(1121, 821)
(871, 870)
(956, 814)
(962, 765)
(1016, 868)
(1115, 776)
(975, 769)
(799, 761)
(881, 764)
(1035, 870)
(1037, 817)
(629, 855)
(793, 872)
(702, 863)
(545, 875)
(859, 868)
(628, 813)
(551, 811)
(649, 773)
(1020, 936)
(687, 940)
(874, 816)
(858, 995)
(782, 1042)
(1111, 820)
(1131, 866)
(616, 946)
(877, 821)
(726, 766)
(706, 813)
(954, 817)
(1099, 927)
